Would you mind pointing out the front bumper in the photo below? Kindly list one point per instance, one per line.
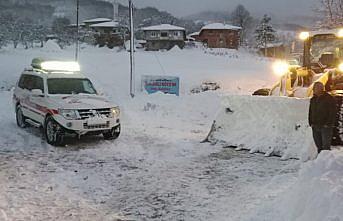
(87, 125)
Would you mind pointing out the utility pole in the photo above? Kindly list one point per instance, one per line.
(77, 31)
(132, 49)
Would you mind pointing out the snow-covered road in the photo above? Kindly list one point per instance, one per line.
(157, 169)
(141, 176)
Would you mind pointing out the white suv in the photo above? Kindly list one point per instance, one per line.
(54, 95)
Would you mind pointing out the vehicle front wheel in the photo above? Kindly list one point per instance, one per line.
(53, 132)
(21, 119)
(113, 133)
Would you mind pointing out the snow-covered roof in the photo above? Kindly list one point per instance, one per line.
(74, 25)
(97, 20)
(220, 26)
(194, 33)
(323, 32)
(163, 27)
(110, 24)
(141, 41)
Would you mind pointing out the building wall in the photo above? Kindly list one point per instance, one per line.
(155, 45)
(220, 38)
(159, 40)
(165, 35)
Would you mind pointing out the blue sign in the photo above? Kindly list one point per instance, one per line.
(164, 84)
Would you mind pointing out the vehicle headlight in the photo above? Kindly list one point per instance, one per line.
(69, 114)
(304, 35)
(340, 67)
(115, 112)
(281, 68)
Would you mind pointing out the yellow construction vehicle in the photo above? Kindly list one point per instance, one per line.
(322, 62)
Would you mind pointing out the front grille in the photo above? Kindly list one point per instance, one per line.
(88, 113)
(97, 126)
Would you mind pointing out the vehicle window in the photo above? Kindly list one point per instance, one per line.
(21, 82)
(33, 82)
(37, 83)
(70, 86)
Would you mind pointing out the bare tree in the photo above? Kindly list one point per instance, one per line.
(331, 12)
(241, 17)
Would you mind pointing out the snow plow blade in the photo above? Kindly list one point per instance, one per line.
(276, 126)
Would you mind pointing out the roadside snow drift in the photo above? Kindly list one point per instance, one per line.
(317, 195)
(272, 125)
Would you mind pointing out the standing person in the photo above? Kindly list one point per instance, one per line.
(322, 117)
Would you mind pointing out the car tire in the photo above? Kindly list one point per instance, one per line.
(113, 133)
(21, 119)
(53, 132)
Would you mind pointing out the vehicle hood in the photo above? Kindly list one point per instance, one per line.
(80, 102)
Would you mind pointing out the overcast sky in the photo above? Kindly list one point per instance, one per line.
(257, 7)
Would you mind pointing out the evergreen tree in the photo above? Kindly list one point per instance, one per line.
(264, 32)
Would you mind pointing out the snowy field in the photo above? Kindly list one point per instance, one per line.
(157, 169)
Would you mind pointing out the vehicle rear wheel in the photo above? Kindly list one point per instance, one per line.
(53, 132)
(112, 134)
(21, 119)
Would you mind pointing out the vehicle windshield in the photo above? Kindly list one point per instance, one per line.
(70, 86)
(293, 62)
(328, 45)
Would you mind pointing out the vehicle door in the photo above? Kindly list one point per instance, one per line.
(37, 99)
(22, 93)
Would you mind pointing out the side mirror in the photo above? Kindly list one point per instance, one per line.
(37, 92)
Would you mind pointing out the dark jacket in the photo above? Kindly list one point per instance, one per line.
(323, 110)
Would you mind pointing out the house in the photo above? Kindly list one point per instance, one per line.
(89, 22)
(164, 36)
(273, 50)
(219, 35)
(110, 33)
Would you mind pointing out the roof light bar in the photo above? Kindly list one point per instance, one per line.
(70, 66)
(60, 66)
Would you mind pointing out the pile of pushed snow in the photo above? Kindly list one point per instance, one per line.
(175, 49)
(51, 46)
(317, 195)
(271, 125)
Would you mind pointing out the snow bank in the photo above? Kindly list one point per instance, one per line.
(51, 46)
(317, 195)
(272, 125)
(175, 49)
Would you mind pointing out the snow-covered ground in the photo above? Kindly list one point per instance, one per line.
(157, 169)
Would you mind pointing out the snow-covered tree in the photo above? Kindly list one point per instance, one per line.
(331, 13)
(241, 17)
(39, 33)
(4, 37)
(61, 30)
(264, 32)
